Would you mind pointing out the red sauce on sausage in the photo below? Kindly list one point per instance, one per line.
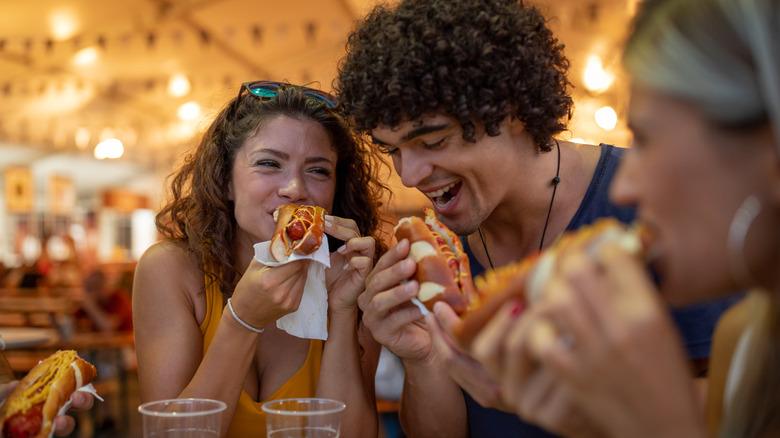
(24, 425)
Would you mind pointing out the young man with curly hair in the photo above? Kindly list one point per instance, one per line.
(467, 98)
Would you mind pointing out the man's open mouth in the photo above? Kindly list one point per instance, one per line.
(443, 196)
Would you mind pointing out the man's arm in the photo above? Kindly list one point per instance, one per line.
(432, 404)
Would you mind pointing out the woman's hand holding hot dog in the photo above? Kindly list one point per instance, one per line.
(349, 265)
(583, 344)
(265, 294)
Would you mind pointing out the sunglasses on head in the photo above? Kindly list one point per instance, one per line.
(268, 89)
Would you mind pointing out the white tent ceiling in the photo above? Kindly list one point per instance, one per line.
(46, 98)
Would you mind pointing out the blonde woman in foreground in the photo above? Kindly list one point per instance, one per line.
(704, 174)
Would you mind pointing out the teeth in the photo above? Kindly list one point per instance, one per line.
(441, 191)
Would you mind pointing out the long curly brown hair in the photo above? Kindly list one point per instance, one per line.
(476, 60)
(199, 214)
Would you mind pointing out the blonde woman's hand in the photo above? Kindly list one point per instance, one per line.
(610, 343)
(469, 373)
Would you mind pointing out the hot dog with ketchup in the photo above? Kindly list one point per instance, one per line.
(299, 230)
(442, 266)
(526, 280)
(29, 410)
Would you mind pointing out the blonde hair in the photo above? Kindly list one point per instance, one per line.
(723, 56)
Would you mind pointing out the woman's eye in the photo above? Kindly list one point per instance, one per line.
(322, 171)
(267, 163)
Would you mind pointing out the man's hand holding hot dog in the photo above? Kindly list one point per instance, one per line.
(398, 324)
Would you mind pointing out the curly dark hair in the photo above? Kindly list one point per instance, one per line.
(199, 214)
(476, 60)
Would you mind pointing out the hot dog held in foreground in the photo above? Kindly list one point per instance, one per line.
(299, 230)
(442, 266)
(525, 280)
(29, 410)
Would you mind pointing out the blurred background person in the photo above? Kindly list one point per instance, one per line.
(105, 308)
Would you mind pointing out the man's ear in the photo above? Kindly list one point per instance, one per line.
(516, 127)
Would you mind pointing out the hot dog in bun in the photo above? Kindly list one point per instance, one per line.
(442, 266)
(299, 230)
(526, 280)
(29, 410)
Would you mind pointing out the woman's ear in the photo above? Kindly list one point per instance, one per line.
(230, 191)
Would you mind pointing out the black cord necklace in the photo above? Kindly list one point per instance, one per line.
(555, 182)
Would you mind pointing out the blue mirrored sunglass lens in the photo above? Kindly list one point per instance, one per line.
(263, 92)
(269, 91)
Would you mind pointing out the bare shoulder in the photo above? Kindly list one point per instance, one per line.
(167, 265)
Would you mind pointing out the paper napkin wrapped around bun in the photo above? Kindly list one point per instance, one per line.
(310, 321)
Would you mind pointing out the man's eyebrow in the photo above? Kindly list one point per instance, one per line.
(422, 130)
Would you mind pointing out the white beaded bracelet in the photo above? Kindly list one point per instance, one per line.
(240, 321)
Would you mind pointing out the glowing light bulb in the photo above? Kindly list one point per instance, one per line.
(63, 24)
(110, 148)
(179, 85)
(82, 138)
(189, 111)
(85, 56)
(606, 118)
(596, 78)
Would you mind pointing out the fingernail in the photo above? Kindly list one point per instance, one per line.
(328, 217)
(346, 266)
(517, 309)
(342, 249)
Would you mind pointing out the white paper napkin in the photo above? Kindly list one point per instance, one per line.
(310, 321)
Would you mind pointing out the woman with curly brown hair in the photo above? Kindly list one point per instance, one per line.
(467, 98)
(205, 308)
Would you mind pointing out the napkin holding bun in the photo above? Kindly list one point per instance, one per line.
(310, 321)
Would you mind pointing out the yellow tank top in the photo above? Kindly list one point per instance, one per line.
(249, 418)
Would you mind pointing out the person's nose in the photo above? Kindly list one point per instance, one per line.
(412, 167)
(624, 188)
(293, 188)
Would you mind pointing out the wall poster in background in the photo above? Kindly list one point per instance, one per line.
(19, 189)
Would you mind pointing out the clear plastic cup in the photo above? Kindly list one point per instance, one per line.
(303, 418)
(182, 418)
